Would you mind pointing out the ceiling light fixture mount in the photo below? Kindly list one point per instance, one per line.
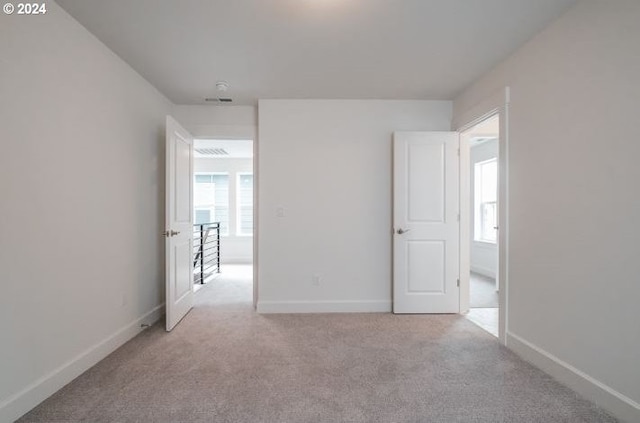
(221, 97)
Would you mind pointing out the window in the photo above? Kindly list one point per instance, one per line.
(486, 196)
(202, 216)
(245, 204)
(211, 200)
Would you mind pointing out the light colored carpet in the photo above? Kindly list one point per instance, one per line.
(225, 363)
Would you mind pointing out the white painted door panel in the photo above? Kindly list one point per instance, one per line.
(426, 225)
(179, 223)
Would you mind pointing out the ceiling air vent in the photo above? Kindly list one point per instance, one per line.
(218, 100)
(212, 151)
(222, 87)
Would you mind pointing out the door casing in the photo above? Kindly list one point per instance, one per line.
(497, 104)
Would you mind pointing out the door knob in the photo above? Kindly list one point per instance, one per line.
(170, 233)
(402, 231)
(174, 233)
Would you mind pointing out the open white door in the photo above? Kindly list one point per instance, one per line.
(179, 223)
(426, 222)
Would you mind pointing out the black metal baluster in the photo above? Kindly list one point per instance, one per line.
(201, 254)
(218, 249)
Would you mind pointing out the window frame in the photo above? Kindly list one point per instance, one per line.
(239, 205)
(479, 224)
(212, 209)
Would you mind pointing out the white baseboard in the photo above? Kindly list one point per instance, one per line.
(618, 404)
(484, 271)
(236, 260)
(18, 404)
(324, 306)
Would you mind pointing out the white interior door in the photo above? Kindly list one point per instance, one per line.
(179, 223)
(426, 222)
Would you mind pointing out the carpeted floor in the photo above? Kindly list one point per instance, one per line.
(225, 363)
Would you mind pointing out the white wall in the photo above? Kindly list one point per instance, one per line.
(484, 256)
(81, 183)
(326, 166)
(233, 248)
(573, 267)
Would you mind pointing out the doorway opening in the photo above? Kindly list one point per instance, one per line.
(223, 198)
(482, 143)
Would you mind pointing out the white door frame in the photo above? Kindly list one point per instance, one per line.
(239, 134)
(498, 104)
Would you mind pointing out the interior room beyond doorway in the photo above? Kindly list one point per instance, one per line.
(223, 197)
(483, 282)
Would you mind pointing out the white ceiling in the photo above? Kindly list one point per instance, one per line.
(360, 49)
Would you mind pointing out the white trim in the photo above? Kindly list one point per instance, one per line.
(203, 131)
(484, 271)
(237, 260)
(497, 104)
(486, 245)
(503, 218)
(621, 406)
(481, 111)
(243, 133)
(239, 206)
(20, 403)
(230, 181)
(464, 245)
(383, 306)
(256, 224)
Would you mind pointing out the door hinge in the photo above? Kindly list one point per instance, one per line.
(458, 217)
(458, 152)
(458, 282)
